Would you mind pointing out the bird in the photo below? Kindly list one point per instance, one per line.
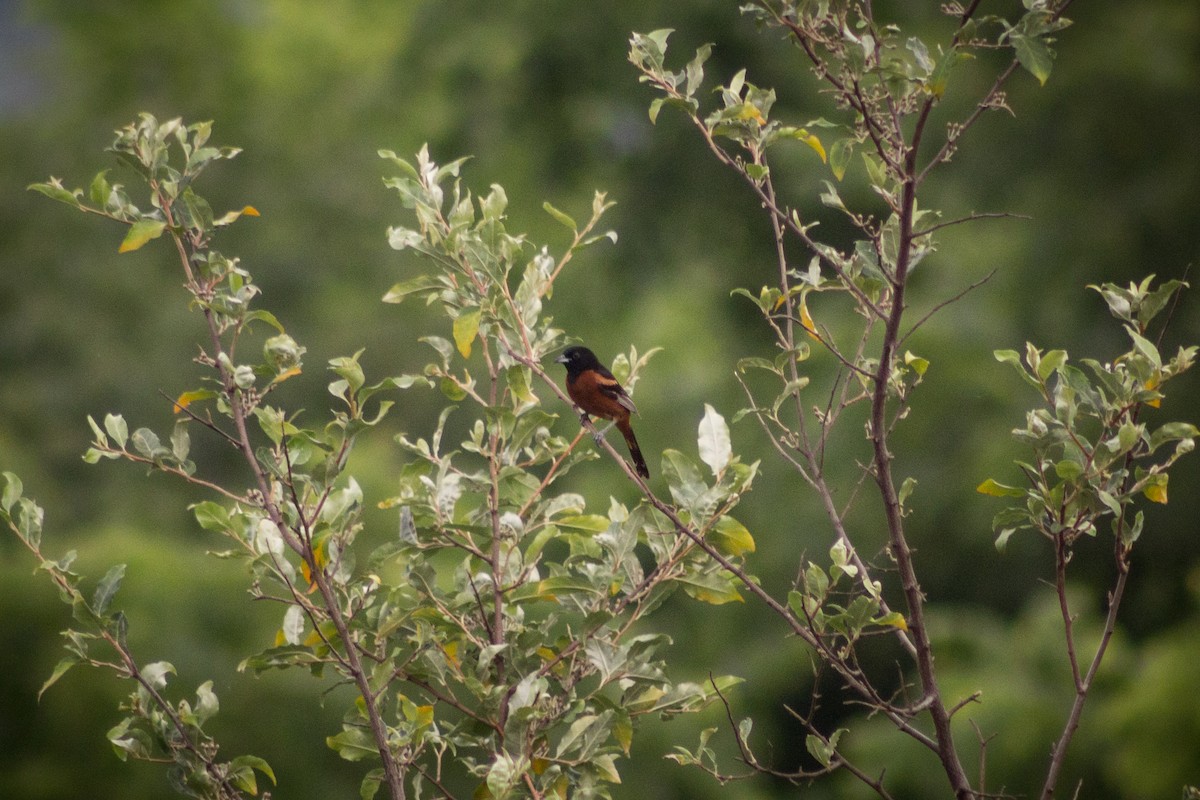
(597, 392)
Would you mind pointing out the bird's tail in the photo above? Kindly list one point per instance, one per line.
(639, 463)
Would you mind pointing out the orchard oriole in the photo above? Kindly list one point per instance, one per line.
(597, 392)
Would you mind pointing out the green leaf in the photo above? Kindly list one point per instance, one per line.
(1172, 431)
(1034, 55)
(207, 704)
(683, 477)
(592, 523)
(1003, 537)
(421, 283)
(731, 537)
(12, 491)
(757, 172)
(655, 107)
(1145, 348)
(117, 429)
(562, 217)
(156, 673)
(99, 190)
(452, 389)
(353, 744)
(695, 69)
(1014, 358)
(55, 191)
(370, 784)
(347, 367)
(921, 54)
(1050, 362)
(141, 232)
(839, 157)
(127, 740)
(181, 442)
(262, 315)
(518, 383)
(819, 750)
(60, 669)
(939, 79)
(605, 765)
(211, 516)
(466, 328)
(107, 588)
(147, 443)
(1068, 470)
(1156, 300)
(30, 517)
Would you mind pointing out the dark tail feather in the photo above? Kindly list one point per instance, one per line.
(639, 463)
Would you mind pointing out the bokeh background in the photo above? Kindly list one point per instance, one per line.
(1103, 160)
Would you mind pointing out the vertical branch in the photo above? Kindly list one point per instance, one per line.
(1059, 752)
(814, 474)
(913, 595)
(238, 412)
(497, 555)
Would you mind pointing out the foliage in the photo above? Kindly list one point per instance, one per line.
(888, 87)
(495, 633)
(503, 628)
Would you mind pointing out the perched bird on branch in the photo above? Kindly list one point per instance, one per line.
(597, 392)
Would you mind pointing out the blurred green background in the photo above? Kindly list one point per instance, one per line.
(1103, 159)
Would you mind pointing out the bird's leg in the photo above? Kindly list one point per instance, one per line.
(599, 435)
(603, 432)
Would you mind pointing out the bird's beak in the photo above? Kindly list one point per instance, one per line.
(562, 359)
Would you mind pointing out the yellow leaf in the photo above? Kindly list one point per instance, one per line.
(815, 143)
(918, 364)
(280, 639)
(424, 716)
(1150, 385)
(1157, 492)
(623, 733)
(997, 489)
(731, 537)
(712, 596)
(466, 326)
(231, 216)
(894, 619)
(187, 398)
(283, 376)
(806, 319)
(321, 559)
(749, 111)
(141, 232)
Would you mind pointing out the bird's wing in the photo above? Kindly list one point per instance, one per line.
(611, 388)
